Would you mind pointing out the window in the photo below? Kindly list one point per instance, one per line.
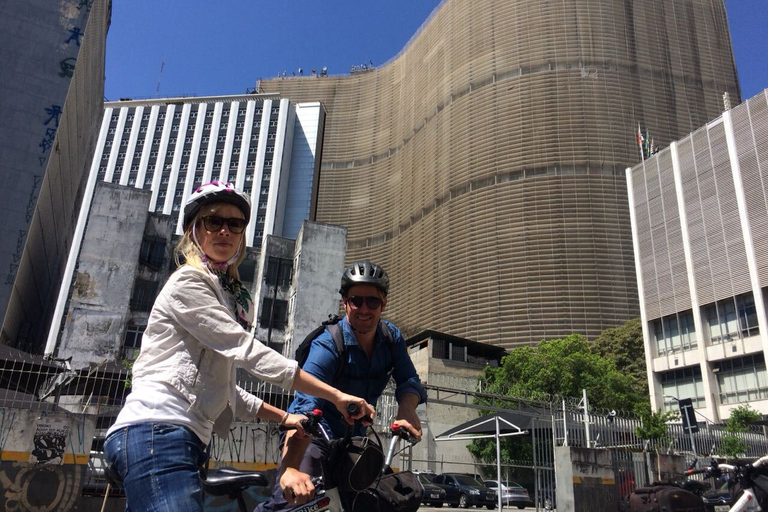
(675, 333)
(682, 383)
(132, 342)
(205, 139)
(143, 296)
(240, 124)
(143, 129)
(209, 114)
(742, 379)
(145, 117)
(278, 271)
(247, 270)
(222, 138)
(273, 316)
(189, 140)
(730, 318)
(177, 115)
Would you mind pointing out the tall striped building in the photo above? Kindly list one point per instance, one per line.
(700, 223)
(261, 143)
(483, 166)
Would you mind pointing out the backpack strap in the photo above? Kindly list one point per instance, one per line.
(338, 340)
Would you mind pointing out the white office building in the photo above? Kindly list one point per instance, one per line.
(259, 142)
(699, 214)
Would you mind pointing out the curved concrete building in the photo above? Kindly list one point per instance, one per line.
(483, 165)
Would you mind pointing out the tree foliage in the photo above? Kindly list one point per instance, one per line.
(741, 418)
(624, 346)
(654, 427)
(612, 372)
(563, 367)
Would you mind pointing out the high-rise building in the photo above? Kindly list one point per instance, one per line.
(50, 109)
(700, 222)
(170, 146)
(483, 166)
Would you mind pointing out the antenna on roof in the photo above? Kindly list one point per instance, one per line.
(160, 76)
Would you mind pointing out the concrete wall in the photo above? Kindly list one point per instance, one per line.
(43, 458)
(586, 479)
(318, 265)
(108, 265)
(50, 109)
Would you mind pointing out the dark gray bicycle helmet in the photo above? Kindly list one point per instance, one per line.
(364, 272)
(215, 192)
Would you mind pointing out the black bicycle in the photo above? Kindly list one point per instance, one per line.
(347, 469)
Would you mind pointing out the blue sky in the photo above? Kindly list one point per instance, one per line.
(223, 47)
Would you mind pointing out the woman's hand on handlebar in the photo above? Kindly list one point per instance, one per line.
(297, 486)
(293, 422)
(363, 410)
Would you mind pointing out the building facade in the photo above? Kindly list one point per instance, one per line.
(53, 57)
(483, 166)
(700, 225)
(169, 147)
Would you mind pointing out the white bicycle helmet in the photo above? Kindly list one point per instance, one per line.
(364, 272)
(215, 192)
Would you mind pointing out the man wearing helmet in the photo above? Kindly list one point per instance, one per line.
(371, 358)
(184, 381)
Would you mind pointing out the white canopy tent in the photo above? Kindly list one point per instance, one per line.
(493, 426)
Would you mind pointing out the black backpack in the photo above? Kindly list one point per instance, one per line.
(332, 324)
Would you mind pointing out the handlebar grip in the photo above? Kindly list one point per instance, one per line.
(352, 408)
(697, 471)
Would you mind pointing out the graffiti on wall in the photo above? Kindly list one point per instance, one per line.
(39, 487)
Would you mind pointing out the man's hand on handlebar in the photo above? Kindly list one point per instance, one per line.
(363, 410)
(297, 486)
(416, 433)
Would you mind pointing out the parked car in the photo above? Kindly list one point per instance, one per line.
(462, 490)
(718, 500)
(434, 495)
(512, 493)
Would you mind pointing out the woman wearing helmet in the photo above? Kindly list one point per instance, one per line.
(183, 383)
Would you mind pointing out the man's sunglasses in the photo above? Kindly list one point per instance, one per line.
(213, 223)
(357, 302)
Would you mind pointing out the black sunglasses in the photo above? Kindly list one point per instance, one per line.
(236, 225)
(357, 302)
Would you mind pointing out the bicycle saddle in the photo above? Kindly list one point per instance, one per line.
(227, 481)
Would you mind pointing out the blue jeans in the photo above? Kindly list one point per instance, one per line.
(159, 464)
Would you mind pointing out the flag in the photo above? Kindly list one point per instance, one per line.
(640, 140)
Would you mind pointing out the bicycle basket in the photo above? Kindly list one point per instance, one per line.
(395, 492)
(357, 463)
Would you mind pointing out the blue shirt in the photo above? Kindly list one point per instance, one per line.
(362, 377)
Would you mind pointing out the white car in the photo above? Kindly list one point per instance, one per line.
(512, 493)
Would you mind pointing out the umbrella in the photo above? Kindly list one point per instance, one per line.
(495, 425)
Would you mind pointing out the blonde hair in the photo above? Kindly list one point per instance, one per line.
(187, 252)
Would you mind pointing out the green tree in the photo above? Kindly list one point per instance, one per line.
(563, 367)
(654, 427)
(741, 418)
(624, 346)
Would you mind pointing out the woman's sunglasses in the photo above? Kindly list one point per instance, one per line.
(236, 225)
(357, 302)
